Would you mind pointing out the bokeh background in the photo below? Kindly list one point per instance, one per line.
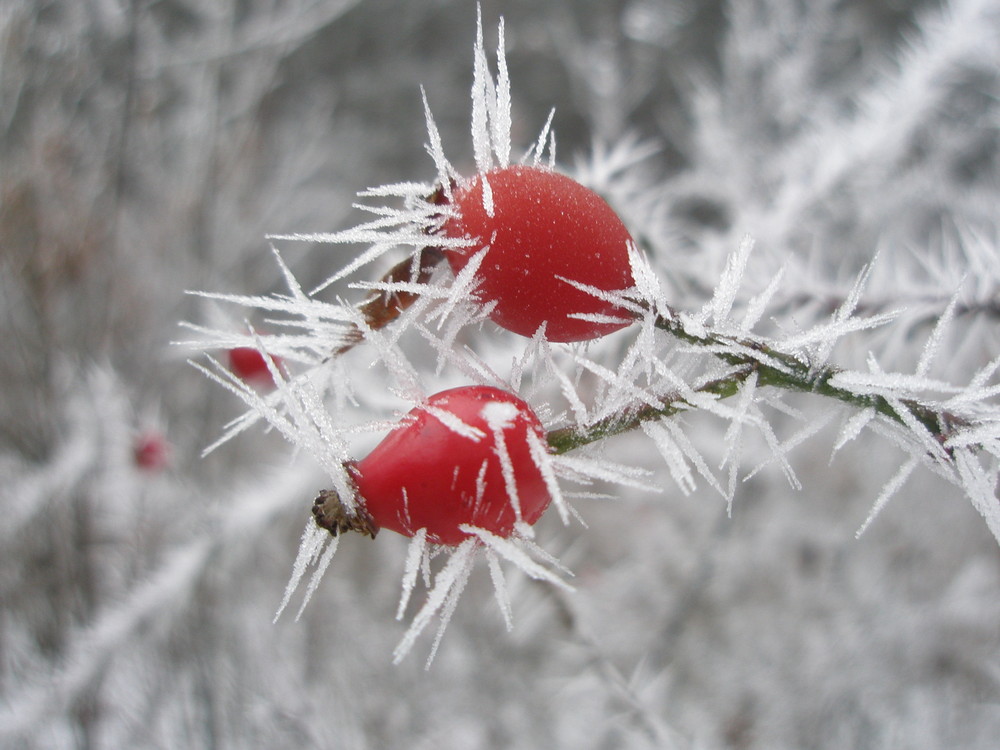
(147, 147)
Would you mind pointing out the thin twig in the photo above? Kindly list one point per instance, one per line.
(774, 368)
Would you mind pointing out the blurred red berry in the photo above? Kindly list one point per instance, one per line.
(455, 461)
(542, 226)
(151, 451)
(249, 364)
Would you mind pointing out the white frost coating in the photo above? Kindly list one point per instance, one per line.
(425, 564)
(814, 425)
(399, 189)
(404, 513)
(452, 575)
(488, 205)
(407, 222)
(298, 426)
(481, 482)
(500, 415)
(844, 312)
(638, 358)
(619, 382)
(600, 318)
(336, 447)
(693, 325)
(221, 376)
(934, 341)
(776, 452)
(315, 327)
(431, 291)
(313, 538)
(853, 427)
(395, 226)
(450, 604)
(647, 283)
(464, 284)
(757, 305)
(918, 430)
(538, 149)
(453, 423)
(609, 471)
(827, 334)
(502, 118)
(403, 372)
(542, 554)
(543, 462)
(615, 297)
(523, 530)
(537, 350)
(381, 244)
(982, 377)
(731, 441)
(480, 106)
(891, 488)
(500, 588)
(672, 455)
(889, 383)
(687, 447)
(575, 402)
(414, 555)
(729, 284)
(286, 273)
(436, 149)
(469, 363)
(971, 395)
(985, 434)
(980, 487)
(321, 565)
(513, 553)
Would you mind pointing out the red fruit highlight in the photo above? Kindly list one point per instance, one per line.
(542, 226)
(437, 476)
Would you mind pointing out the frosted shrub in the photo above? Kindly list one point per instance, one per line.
(722, 487)
(664, 364)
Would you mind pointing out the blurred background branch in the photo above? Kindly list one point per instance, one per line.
(148, 146)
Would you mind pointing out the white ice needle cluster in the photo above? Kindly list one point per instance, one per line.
(307, 334)
(953, 430)
(712, 360)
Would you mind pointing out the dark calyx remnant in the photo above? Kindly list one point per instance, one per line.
(330, 514)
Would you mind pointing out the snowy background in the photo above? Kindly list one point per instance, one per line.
(148, 148)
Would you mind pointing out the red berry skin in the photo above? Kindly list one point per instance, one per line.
(248, 364)
(426, 475)
(544, 226)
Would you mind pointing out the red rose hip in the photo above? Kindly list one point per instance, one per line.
(539, 226)
(151, 451)
(462, 458)
(249, 364)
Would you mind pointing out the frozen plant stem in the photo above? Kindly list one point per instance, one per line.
(746, 356)
(774, 368)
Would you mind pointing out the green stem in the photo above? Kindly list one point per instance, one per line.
(773, 368)
(569, 438)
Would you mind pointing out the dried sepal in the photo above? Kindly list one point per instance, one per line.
(330, 513)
